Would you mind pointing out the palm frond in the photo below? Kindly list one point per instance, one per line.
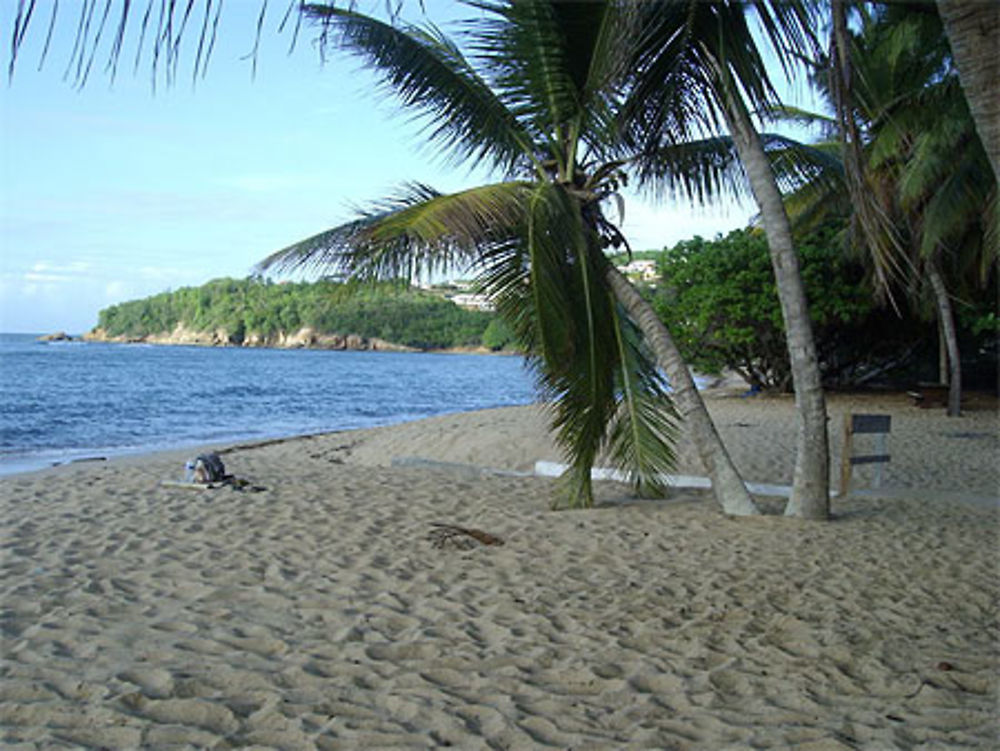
(418, 232)
(667, 93)
(429, 74)
(795, 163)
(644, 430)
(953, 210)
(554, 64)
(817, 202)
(826, 125)
(689, 60)
(701, 169)
(576, 364)
(603, 385)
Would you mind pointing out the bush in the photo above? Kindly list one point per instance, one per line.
(720, 301)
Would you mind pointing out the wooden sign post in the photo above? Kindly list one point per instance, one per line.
(877, 425)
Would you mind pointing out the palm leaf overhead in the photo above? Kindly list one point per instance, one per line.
(689, 49)
(430, 76)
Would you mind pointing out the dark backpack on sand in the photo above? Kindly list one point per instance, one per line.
(209, 468)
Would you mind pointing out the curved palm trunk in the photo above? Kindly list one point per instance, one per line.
(727, 485)
(942, 354)
(946, 321)
(973, 29)
(811, 483)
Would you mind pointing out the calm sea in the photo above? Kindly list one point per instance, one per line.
(64, 401)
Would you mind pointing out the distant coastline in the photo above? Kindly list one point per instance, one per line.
(307, 315)
(304, 338)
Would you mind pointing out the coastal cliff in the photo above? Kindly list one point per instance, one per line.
(304, 338)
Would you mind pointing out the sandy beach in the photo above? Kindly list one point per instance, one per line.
(326, 611)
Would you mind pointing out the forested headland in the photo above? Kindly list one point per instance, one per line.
(327, 314)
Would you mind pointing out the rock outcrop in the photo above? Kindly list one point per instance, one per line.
(304, 338)
(59, 336)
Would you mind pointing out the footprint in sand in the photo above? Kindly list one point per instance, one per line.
(397, 652)
(731, 682)
(197, 712)
(155, 683)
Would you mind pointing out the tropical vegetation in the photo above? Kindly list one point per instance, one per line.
(912, 174)
(720, 299)
(260, 310)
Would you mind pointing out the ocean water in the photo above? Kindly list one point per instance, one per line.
(62, 401)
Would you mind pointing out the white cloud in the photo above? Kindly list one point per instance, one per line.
(72, 267)
(115, 290)
(41, 278)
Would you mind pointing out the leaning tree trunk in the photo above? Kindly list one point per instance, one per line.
(727, 485)
(811, 482)
(942, 354)
(946, 321)
(973, 29)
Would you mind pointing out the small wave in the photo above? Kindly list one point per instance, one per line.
(234, 392)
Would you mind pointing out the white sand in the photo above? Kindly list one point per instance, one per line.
(317, 613)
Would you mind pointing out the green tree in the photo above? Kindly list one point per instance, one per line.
(549, 106)
(720, 298)
(498, 335)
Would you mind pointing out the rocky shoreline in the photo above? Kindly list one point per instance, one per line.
(304, 338)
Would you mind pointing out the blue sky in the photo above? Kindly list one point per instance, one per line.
(115, 192)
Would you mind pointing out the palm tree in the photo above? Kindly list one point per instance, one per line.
(923, 141)
(537, 103)
(973, 29)
(925, 199)
(707, 48)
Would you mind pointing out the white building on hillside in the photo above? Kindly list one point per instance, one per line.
(472, 301)
(643, 271)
